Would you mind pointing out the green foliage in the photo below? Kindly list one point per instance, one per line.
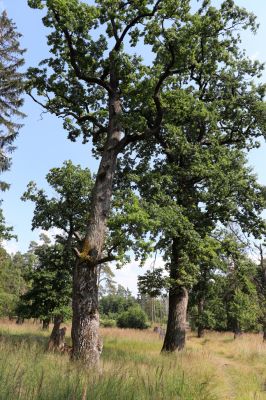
(114, 304)
(12, 283)
(68, 210)
(241, 295)
(11, 88)
(186, 121)
(134, 318)
(193, 175)
(245, 309)
(107, 322)
(228, 293)
(50, 280)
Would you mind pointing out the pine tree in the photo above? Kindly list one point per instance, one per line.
(11, 87)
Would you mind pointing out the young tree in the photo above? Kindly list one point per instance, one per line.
(12, 283)
(67, 211)
(11, 88)
(50, 287)
(241, 296)
(225, 293)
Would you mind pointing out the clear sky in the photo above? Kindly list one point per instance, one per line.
(42, 143)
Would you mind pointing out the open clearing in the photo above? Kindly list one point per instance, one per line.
(215, 367)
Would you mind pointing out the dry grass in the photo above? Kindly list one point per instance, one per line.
(215, 367)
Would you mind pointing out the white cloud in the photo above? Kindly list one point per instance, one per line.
(128, 275)
(2, 6)
(11, 246)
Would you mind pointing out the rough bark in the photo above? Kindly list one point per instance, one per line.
(57, 338)
(85, 324)
(175, 337)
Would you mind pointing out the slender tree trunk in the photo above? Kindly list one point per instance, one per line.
(264, 332)
(19, 320)
(56, 341)
(175, 337)
(85, 324)
(200, 324)
(45, 324)
(237, 330)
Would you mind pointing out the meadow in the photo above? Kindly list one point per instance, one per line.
(215, 367)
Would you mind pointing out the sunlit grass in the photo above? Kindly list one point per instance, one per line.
(132, 368)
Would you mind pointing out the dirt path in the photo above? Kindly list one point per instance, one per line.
(231, 373)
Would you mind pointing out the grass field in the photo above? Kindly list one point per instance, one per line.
(215, 367)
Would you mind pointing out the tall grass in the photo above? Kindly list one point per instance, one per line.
(132, 368)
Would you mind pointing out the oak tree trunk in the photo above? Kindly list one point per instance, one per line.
(86, 343)
(57, 338)
(175, 337)
(85, 323)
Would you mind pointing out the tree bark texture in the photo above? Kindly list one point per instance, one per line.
(175, 337)
(85, 324)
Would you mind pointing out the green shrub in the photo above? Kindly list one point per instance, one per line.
(107, 322)
(134, 317)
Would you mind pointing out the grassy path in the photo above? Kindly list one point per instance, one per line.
(239, 365)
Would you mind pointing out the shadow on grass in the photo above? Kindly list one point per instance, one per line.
(17, 338)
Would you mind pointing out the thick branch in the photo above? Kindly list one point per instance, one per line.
(135, 21)
(110, 257)
(73, 60)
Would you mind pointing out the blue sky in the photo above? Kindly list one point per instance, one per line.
(42, 143)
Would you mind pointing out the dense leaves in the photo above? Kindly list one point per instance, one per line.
(11, 87)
